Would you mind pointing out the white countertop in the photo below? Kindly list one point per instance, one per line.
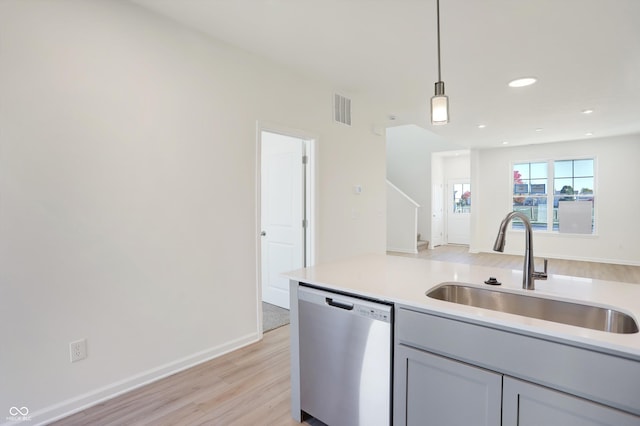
(405, 280)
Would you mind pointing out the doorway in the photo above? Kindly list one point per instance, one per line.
(451, 197)
(286, 198)
(458, 211)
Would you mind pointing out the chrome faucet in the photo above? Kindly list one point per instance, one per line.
(528, 272)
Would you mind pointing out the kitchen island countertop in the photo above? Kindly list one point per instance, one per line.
(405, 281)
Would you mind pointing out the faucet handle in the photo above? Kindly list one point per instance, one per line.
(543, 274)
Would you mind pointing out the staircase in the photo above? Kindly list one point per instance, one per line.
(402, 221)
(422, 245)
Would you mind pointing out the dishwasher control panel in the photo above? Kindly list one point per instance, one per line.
(373, 313)
(377, 311)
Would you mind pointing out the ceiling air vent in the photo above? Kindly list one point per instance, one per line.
(342, 109)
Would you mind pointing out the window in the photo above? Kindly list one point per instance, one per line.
(573, 181)
(530, 193)
(555, 195)
(461, 198)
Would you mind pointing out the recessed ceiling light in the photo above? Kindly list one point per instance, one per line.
(481, 126)
(587, 111)
(522, 82)
(588, 134)
(505, 143)
(539, 129)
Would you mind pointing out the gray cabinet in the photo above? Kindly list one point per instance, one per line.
(526, 404)
(452, 372)
(442, 392)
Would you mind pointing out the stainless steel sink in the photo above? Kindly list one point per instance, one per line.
(580, 315)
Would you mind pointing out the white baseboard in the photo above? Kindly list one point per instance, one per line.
(84, 401)
(401, 250)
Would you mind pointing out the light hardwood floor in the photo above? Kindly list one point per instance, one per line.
(247, 387)
(251, 385)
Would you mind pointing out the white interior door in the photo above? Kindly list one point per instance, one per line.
(437, 215)
(282, 213)
(458, 211)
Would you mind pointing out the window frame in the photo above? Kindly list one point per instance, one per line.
(464, 183)
(551, 193)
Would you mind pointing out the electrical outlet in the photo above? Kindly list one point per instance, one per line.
(78, 350)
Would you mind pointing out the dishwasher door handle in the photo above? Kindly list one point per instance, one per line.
(336, 304)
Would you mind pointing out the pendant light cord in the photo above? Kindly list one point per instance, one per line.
(438, 26)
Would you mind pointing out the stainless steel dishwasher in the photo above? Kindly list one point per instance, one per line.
(345, 358)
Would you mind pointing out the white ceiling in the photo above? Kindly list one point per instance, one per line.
(585, 54)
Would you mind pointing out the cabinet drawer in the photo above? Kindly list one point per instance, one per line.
(435, 391)
(525, 404)
(596, 376)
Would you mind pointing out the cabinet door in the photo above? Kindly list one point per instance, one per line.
(526, 404)
(432, 390)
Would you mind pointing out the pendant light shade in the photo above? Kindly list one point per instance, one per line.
(439, 106)
(440, 101)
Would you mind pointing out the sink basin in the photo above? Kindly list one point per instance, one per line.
(577, 314)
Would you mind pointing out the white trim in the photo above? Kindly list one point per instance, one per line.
(400, 250)
(89, 399)
(284, 131)
(312, 196)
(257, 230)
(401, 192)
(551, 190)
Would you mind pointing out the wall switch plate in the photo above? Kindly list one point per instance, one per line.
(78, 350)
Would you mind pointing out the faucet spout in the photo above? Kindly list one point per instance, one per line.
(501, 239)
(528, 273)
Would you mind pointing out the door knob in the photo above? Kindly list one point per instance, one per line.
(263, 234)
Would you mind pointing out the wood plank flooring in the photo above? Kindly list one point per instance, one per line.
(251, 385)
(247, 387)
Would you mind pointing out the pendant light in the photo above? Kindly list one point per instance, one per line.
(440, 101)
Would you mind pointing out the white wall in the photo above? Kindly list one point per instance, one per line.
(456, 167)
(128, 195)
(409, 149)
(617, 206)
(402, 221)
